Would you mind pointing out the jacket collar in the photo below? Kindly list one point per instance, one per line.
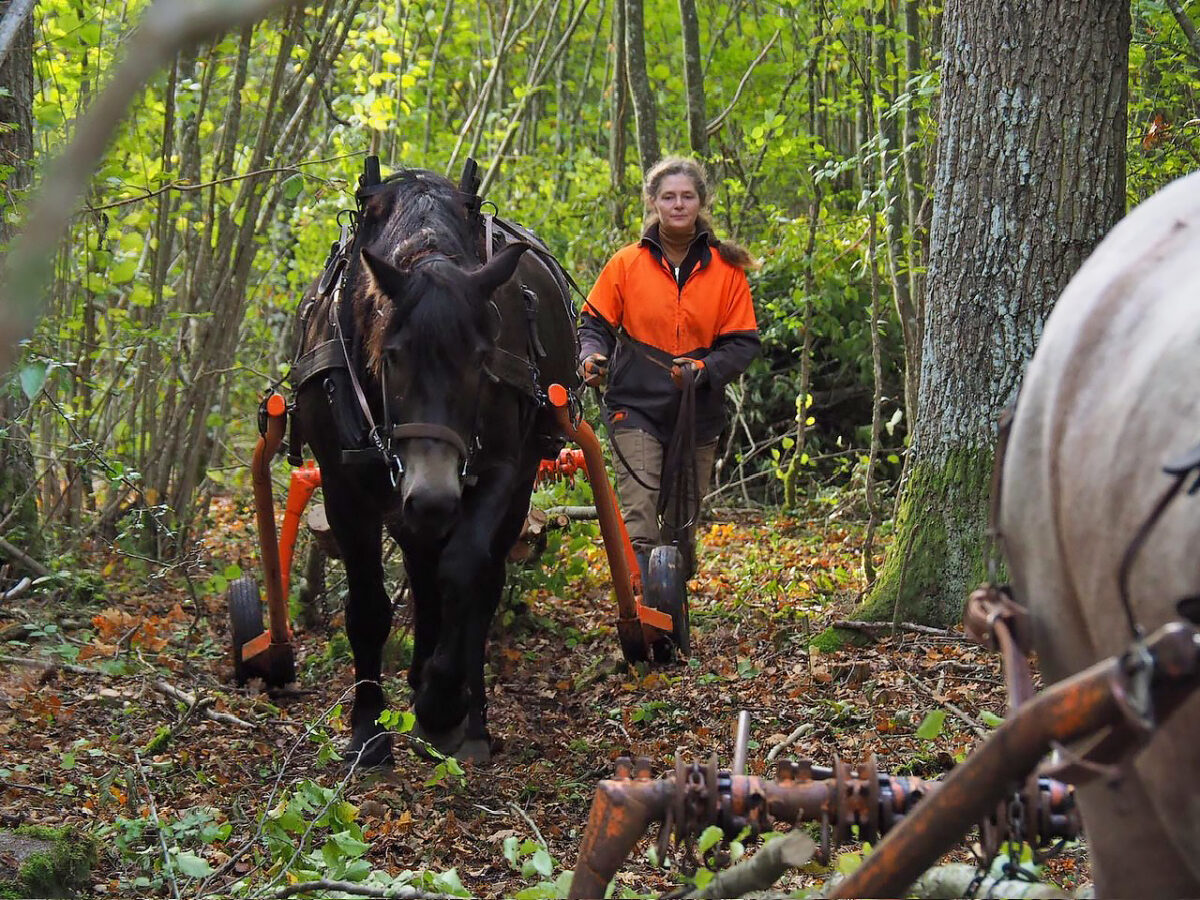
(700, 248)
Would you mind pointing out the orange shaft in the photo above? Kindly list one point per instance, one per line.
(303, 484)
(621, 559)
(264, 508)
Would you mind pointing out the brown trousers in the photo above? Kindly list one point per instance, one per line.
(639, 505)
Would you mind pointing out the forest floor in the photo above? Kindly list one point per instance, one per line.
(90, 738)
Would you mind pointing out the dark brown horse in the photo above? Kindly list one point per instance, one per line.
(426, 350)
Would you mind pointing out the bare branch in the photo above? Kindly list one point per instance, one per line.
(715, 125)
(167, 27)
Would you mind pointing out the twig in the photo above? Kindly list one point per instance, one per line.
(575, 513)
(876, 628)
(165, 28)
(184, 186)
(801, 731)
(16, 554)
(404, 892)
(162, 838)
(950, 707)
(715, 125)
(764, 868)
(43, 664)
(10, 785)
(528, 821)
(184, 697)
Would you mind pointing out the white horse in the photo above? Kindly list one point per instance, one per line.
(1112, 394)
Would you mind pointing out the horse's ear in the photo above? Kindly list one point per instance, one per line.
(387, 278)
(499, 268)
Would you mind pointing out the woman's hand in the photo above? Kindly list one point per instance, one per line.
(699, 373)
(594, 369)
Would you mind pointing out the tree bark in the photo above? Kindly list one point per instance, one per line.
(18, 500)
(619, 112)
(1030, 176)
(693, 78)
(644, 109)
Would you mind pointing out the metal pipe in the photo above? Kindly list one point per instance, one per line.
(741, 742)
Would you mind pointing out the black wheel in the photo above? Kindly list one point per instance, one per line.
(666, 590)
(245, 622)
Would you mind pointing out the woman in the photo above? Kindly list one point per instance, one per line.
(673, 313)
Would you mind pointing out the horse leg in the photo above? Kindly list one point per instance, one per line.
(368, 621)
(426, 614)
(489, 585)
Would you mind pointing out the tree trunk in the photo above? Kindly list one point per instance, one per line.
(1030, 176)
(620, 117)
(644, 112)
(693, 78)
(18, 499)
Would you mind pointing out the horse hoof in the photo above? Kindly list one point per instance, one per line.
(375, 751)
(477, 751)
(445, 742)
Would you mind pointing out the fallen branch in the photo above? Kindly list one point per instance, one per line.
(17, 555)
(774, 860)
(16, 590)
(159, 685)
(403, 892)
(184, 697)
(574, 513)
(801, 731)
(950, 707)
(877, 628)
(956, 879)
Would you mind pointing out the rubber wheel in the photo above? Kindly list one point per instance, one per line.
(666, 590)
(245, 621)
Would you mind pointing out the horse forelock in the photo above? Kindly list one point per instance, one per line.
(420, 227)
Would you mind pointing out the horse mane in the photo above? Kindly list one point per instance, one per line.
(418, 223)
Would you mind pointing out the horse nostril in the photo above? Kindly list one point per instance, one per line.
(430, 512)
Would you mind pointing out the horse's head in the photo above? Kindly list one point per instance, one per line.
(434, 330)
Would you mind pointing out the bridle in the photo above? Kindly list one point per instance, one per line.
(387, 437)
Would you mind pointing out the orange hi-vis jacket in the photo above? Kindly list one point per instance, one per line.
(702, 310)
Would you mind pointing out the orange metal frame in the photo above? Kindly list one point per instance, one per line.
(637, 625)
(275, 553)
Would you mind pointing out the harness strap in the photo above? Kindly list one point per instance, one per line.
(321, 358)
(433, 432)
(679, 480)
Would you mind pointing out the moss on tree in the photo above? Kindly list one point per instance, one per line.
(939, 553)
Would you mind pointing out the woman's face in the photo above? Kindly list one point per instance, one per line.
(677, 204)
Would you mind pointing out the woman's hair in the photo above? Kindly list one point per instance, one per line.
(732, 253)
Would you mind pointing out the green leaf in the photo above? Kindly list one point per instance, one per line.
(511, 845)
(931, 725)
(292, 187)
(709, 838)
(349, 845)
(193, 866)
(990, 719)
(123, 272)
(543, 863)
(33, 377)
